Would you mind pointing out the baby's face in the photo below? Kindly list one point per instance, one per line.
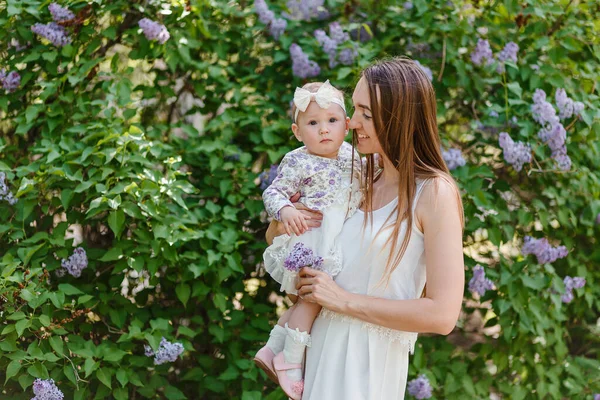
(322, 130)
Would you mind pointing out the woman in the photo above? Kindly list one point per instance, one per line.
(378, 303)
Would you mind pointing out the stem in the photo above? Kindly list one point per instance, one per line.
(443, 60)
(505, 96)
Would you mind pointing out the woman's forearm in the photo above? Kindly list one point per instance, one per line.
(422, 315)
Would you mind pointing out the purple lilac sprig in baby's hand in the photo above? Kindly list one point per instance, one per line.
(301, 256)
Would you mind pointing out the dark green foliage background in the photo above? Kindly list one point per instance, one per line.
(96, 135)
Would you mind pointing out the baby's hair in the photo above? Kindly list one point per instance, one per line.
(313, 87)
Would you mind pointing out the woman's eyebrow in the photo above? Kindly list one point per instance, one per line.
(363, 106)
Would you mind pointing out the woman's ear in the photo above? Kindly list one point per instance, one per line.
(295, 129)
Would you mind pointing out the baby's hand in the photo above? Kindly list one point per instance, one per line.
(293, 220)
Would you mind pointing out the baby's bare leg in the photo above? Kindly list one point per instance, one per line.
(285, 317)
(303, 315)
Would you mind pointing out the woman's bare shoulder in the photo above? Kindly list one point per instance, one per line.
(440, 195)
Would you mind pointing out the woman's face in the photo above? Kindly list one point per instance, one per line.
(362, 120)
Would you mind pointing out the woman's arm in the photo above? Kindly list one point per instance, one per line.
(438, 311)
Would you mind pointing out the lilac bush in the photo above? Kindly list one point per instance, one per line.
(515, 153)
(166, 352)
(566, 106)
(420, 387)
(267, 177)
(571, 283)
(302, 66)
(306, 10)
(46, 389)
(11, 81)
(482, 53)
(154, 31)
(453, 158)
(5, 193)
(553, 133)
(479, 283)
(52, 32)
(76, 263)
(508, 53)
(277, 26)
(60, 14)
(544, 252)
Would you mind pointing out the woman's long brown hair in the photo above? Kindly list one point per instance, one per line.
(403, 106)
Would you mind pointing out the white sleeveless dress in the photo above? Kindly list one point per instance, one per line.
(353, 360)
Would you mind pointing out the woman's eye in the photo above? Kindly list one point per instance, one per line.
(366, 116)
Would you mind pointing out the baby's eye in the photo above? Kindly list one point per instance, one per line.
(312, 123)
(332, 119)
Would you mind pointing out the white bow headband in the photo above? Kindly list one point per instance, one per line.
(324, 97)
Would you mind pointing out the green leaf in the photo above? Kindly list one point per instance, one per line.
(57, 344)
(12, 369)
(122, 377)
(104, 375)
(22, 325)
(116, 220)
(183, 292)
(69, 289)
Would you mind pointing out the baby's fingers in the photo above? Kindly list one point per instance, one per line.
(295, 227)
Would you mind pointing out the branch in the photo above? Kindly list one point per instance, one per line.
(559, 21)
(443, 61)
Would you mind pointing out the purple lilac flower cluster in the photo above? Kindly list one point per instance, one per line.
(453, 158)
(425, 69)
(420, 387)
(154, 31)
(60, 14)
(301, 256)
(53, 32)
(302, 66)
(6, 194)
(566, 106)
(167, 352)
(45, 389)
(597, 396)
(515, 153)
(553, 132)
(598, 219)
(74, 264)
(11, 81)
(267, 177)
(508, 53)
(482, 53)
(408, 5)
(479, 283)
(570, 284)
(305, 10)
(544, 252)
(330, 44)
(276, 25)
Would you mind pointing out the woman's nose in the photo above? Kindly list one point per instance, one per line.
(353, 123)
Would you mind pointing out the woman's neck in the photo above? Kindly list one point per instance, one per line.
(390, 175)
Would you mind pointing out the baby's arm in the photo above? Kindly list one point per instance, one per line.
(277, 196)
(293, 220)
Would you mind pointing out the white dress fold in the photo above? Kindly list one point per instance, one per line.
(353, 360)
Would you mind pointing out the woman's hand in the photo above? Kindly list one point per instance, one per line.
(277, 228)
(318, 287)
